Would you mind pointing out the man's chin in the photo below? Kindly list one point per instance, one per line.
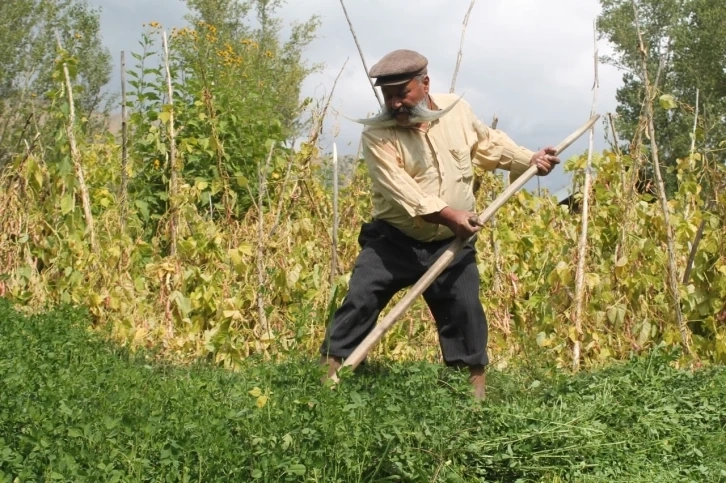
(403, 120)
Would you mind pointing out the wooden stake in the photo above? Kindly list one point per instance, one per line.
(582, 245)
(174, 169)
(620, 250)
(461, 47)
(334, 262)
(672, 271)
(445, 259)
(360, 51)
(702, 225)
(497, 283)
(261, 278)
(76, 154)
(124, 140)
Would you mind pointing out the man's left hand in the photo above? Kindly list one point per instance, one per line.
(545, 159)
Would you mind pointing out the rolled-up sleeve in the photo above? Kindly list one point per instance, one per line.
(496, 150)
(391, 181)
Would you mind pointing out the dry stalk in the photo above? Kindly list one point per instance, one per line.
(173, 168)
(672, 270)
(360, 51)
(461, 47)
(124, 141)
(76, 155)
(582, 245)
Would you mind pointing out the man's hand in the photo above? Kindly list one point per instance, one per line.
(545, 160)
(463, 223)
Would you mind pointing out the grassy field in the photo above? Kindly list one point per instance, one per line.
(75, 408)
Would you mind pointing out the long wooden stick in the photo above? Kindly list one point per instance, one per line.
(76, 154)
(582, 245)
(124, 143)
(428, 278)
(174, 169)
(670, 237)
(334, 254)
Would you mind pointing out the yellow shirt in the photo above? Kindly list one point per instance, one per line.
(419, 171)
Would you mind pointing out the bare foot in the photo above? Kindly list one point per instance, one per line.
(478, 381)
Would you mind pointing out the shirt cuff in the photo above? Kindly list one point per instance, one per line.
(520, 163)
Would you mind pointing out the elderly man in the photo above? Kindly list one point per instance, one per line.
(420, 152)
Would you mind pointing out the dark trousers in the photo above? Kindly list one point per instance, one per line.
(390, 261)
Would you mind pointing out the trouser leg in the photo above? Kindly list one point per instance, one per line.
(383, 267)
(454, 302)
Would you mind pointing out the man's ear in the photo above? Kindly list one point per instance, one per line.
(425, 83)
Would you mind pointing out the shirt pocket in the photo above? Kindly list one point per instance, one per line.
(462, 159)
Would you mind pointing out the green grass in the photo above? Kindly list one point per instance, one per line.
(75, 408)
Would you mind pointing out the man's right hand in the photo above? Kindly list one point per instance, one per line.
(463, 223)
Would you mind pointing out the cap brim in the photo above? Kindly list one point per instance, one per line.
(393, 80)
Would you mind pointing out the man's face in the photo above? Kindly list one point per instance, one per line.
(399, 99)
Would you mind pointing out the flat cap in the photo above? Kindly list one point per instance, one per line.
(398, 67)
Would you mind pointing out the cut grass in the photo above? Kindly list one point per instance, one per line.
(75, 408)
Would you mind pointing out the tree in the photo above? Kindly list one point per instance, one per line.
(686, 46)
(29, 30)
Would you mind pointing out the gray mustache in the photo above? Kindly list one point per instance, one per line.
(418, 114)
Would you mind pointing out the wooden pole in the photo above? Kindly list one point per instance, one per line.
(334, 262)
(702, 225)
(582, 245)
(360, 51)
(428, 278)
(261, 276)
(461, 47)
(76, 154)
(670, 245)
(174, 169)
(497, 283)
(124, 140)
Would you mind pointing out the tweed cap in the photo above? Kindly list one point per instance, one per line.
(398, 67)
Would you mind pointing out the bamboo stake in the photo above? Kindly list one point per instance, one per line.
(702, 225)
(445, 259)
(334, 262)
(695, 127)
(582, 245)
(360, 51)
(493, 240)
(174, 175)
(76, 154)
(124, 140)
(672, 271)
(261, 279)
(461, 47)
(620, 250)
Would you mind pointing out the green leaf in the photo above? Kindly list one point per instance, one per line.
(296, 469)
(165, 117)
(667, 101)
(67, 204)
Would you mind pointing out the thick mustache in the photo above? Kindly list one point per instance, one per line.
(386, 118)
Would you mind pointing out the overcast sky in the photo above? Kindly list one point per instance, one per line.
(528, 61)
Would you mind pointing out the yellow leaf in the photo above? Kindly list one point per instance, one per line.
(256, 392)
(261, 401)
